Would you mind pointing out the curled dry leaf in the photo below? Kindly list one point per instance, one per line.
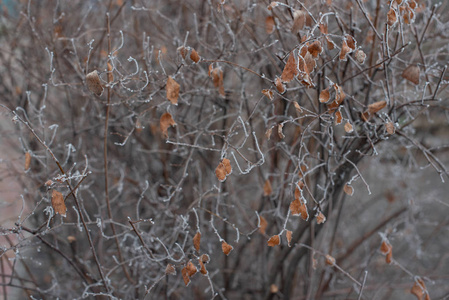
(165, 122)
(295, 207)
(315, 49)
(217, 78)
(27, 161)
(197, 241)
(392, 17)
(376, 106)
(94, 83)
(411, 73)
(387, 250)
(299, 187)
(110, 74)
(226, 248)
(194, 56)
(324, 95)
(360, 56)
(330, 260)
(419, 290)
(269, 94)
(299, 20)
(203, 267)
(57, 202)
(345, 49)
(172, 89)
(227, 165)
(348, 127)
(185, 276)
(290, 69)
(267, 190)
(348, 190)
(279, 85)
(268, 133)
(320, 218)
(170, 270)
(298, 108)
(304, 212)
(269, 24)
(274, 241)
(351, 42)
(48, 182)
(289, 235)
(191, 269)
(263, 225)
(338, 117)
(280, 133)
(183, 51)
(390, 128)
(330, 44)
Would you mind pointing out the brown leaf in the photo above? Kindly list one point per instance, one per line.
(27, 160)
(217, 78)
(348, 189)
(310, 63)
(323, 28)
(338, 117)
(280, 133)
(269, 24)
(203, 267)
(268, 133)
(197, 241)
(288, 235)
(390, 127)
(315, 49)
(165, 122)
(330, 260)
(263, 225)
(295, 207)
(330, 44)
(351, 42)
(269, 94)
(299, 20)
(267, 190)
(170, 270)
(183, 51)
(299, 188)
(57, 202)
(110, 74)
(387, 250)
(220, 172)
(191, 269)
(226, 248)
(172, 89)
(194, 56)
(419, 289)
(344, 50)
(320, 218)
(185, 276)
(274, 241)
(348, 127)
(392, 17)
(227, 164)
(290, 69)
(411, 73)
(279, 85)
(273, 5)
(376, 106)
(324, 95)
(94, 83)
(304, 212)
(298, 108)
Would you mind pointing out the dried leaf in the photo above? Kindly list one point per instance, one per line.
(390, 128)
(267, 190)
(94, 83)
(324, 95)
(172, 88)
(290, 69)
(263, 225)
(330, 260)
(110, 74)
(197, 241)
(183, 51)
(387, 250)
(351, 42)
(274, 241)
(191, 269)
(411, 73)
(348, 127)
(274, 289)
(269, 94)
(269, 24)
(203, 267)
(298, 108)
(348, 189)
(268, 133)
(194, 56)
(392, 17)
(57, 202)
(299, 188)
(315, 49)
(165, 122)
(288, 235)
(279, 85)
(280, 133)
(227, 164)
(419, 289)
(295, 207)
(205, 258)
(338, 117)
(310, 63)
(330, 44)
(360, 56)
(299, 20)
(217, 78)
(272, 5)
(170, 270)
(48, 182)
(226, 248)
(344, 50)
(27, 160)
(185, 276)
(323, 28)
(320, 218)
(304, 212)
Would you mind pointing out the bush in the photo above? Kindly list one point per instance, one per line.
(280, 150)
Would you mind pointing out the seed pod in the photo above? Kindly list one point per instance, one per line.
(93, 83)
